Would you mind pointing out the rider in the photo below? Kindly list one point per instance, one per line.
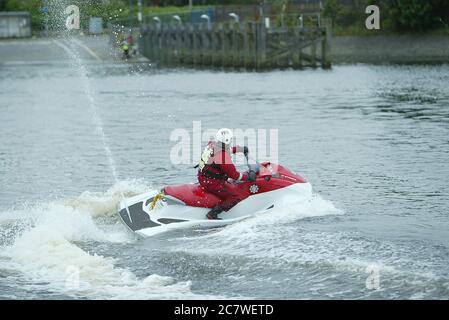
(125, 48)
(130, 40)
(215, 167)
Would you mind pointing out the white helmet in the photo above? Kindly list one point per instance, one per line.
(224, 135)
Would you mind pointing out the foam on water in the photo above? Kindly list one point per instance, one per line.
(311, 206)
(266, 235)
(104, 204)
(273, 238)
(47, 250)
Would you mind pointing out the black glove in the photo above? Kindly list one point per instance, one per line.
(245, 151)
(252, 175)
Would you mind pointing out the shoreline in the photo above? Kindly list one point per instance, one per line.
(390, 49)
(382, 49)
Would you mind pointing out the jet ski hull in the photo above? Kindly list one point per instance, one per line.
(153, 212)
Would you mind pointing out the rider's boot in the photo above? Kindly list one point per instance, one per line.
(213, 214)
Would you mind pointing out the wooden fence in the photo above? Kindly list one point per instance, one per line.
(249, 45)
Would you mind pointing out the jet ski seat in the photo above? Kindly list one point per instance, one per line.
(193, 195)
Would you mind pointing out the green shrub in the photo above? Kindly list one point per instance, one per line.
(417, 15)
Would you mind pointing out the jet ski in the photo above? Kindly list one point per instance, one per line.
(186, 206)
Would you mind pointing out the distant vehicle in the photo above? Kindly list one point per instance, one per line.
(15, 24)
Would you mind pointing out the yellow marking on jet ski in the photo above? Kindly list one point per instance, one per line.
(155, 200)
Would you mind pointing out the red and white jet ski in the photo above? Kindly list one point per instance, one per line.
(186, 205)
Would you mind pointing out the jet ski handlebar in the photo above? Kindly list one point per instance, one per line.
(252, 166)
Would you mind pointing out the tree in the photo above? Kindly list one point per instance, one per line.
(417, 15)
(331, 9)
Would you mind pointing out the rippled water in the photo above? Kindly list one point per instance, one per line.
(372, 140)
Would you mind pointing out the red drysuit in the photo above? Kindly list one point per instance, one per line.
(214, 170)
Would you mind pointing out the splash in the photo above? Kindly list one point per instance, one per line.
(48, 250)
(104, 204)
(79, 66)
(271, 235)
(310, 206)
(45, 255)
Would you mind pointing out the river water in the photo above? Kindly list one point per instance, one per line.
(373, 141)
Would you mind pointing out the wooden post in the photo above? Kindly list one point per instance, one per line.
(214, 46)
(313, 53)
(150, 42)
(203, 42)
(160, 41)
(241, 45)
(234, 46)
(206, 44)
(164, 49)
(296, 54)
(220, 48)
(200, 44)
(154, 43)
(179, 44)
(189, 45)
(261, 44)
(183, 45)
(246, 53)
(224, 45)
(176, 45)
(325, 44)
(169, 45)
(196, 47)
(253, 45)
(227, 46)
